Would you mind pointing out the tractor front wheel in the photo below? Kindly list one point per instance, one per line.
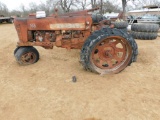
(26, 55)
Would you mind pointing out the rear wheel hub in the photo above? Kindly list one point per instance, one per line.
(110, 52)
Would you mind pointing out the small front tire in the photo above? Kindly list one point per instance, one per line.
(16, 50)
(26, 55)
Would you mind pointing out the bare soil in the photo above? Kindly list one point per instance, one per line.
(45, 91)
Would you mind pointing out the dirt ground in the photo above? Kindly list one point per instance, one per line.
(45, 91)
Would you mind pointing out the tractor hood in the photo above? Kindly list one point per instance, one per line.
(56, 23)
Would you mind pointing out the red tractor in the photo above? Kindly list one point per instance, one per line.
(104, 49)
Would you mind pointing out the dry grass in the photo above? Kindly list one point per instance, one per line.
(44, 91)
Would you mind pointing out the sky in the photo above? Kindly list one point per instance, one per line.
(15, 4)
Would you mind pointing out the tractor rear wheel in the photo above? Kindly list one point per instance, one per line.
(108, 51)
(26, 55)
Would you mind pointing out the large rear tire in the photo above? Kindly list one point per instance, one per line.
(26, 55)
(120, 25)
(108, 51)
(135, 49)
(141, 27)
(144, 35)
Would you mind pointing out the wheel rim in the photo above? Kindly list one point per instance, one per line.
(111, 54)
(28, 58)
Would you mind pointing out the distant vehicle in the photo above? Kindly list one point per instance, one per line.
(153, 10)
(6, 19)
(150, 14)
(148, 18)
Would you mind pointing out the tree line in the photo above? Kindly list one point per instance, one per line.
(74, 5)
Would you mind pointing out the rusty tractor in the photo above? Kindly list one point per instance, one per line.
(104, 49)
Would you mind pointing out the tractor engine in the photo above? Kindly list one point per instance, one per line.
(64, 38)
(42, 36)
(50, 36)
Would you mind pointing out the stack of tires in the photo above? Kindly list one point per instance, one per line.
(144, 31)
(121, 25)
